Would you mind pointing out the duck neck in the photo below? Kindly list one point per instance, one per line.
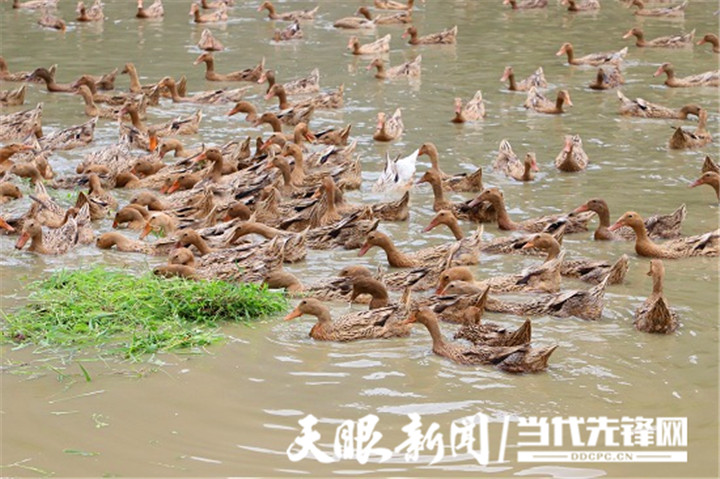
(323, 316)
(657, 284)
(209, 66)
(456, 231)
(559, 103)
(639, 39)
(439, 202)
(173, 91)
(271, 81)
(511, 79)
(330, 196)
(135, 119)
(504, 221)
(36, 242)
(261, 229)
(413, 38)
(285, 171)
(432, 153)
(271, 10)
(217, 169)
(437, 338)
(298, 172)
(135, 86)
(395, 258)
(380, 70)
(274, 122)
(552, 251)
(527, 173)
(570, 54)
(201, 245)
(282, 98)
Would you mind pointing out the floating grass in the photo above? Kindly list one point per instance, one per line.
(133, 315)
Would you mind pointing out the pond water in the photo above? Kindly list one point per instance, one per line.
(235, 409)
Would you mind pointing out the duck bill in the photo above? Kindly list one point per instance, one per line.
(411, 319)
(616, 226)
(295, 313)
(697, 182)
(153, 143)
(164, 189)
(581, 209)
(115, 224)
(440, 290)
(560, 52)
(528, 245)
(22, 240)
(505, 76)
(365, 248)
(200, 157)
(404, 35)
(198, 60)
(234, 111)
(568, 101)
(268, 95)
(310, 137)
(317, 194)
(263, 78)
(227, 217)
(432, 225)
(534, 166)
(146, 230)
(4, 225)
(659, 71)
(474, 202)
(174, 187)
(701, 41)
(628, 34)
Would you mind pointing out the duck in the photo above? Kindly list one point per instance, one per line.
(589, 271)
(70, 137)
(707, 244)
(19, 125)
(380, 323)
(397, 259)
(409, 69)
(159, 223)
(12, 97)
(249, 74)
(6, 75)
(35, 4)
(9, 192)
(433, 178)
(655, 315)
(490, 334)
(712, 39)
(473, 110)
(592, 59)
(8, 151)
(123, 243)
(381, 45)
(149, 97)
(525, 4)
(709, 165)
(447, 218)
(572, 158)
(93, 14)
(291, 32)
(467, 182)
(355, 23)
(674, 11)
(155, 10)
(6, 226)
(645, 109)
(398, 18)
(494, 196)
(680, 40)
(398, 173)
(188, 125)
(209, 43)
(393, 5)
(540, 103)
(711, 178)
(711, 78)
(657, 226)
(607, 78)
(49, 79)
(512, 359)
(446, 37)
(51, 21)
(212, 97)
(683, 139)
(134, 215)
(389, 129)
(287, 16)
(216, 16)
(135, 86)
(91, 109)
(281, 279)
(99, 193)
(51, 241)
(324, 101)
(508, 162)
(176, 271)
(300, 86)
(585, 6)
(537, 80)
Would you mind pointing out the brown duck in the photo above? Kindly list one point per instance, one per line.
(655, 316)
(657, 226)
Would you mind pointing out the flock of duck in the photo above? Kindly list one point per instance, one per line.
(287, 189)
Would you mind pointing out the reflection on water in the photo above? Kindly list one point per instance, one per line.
(236, 407)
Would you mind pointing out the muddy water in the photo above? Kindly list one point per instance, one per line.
(235, 409)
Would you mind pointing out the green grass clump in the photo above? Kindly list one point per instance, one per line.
(133, 315)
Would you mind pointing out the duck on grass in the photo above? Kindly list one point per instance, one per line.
(132, 316)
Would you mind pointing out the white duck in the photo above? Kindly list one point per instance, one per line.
(398, 173)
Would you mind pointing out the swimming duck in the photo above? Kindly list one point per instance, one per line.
(98, 192)
(378, 323)
(17, 126)
(45, 75)
(572, 158)
(6, 75)
(683, 139)
(123, 243)
(219, 15)
(593, 59)
(91, 109)
(323, 101)
(525, 4)
(433, 178)
(573, 224)
(51, 241)
(9, 192)
(585, 6)
(508, 162)
(291, 32)
(35, 4)
(712, 39)
(446, 37)
(135, 86)
(70, 137)
(711, 78)
(473, 110)
(93, 14)
(249, 74)
(159, 223)
(607, 78)
(540, 103)
(491, 334)
(7, 152)
(389, 129)
(537, 80)
(300, 86)
(397, 259)
(460, 182)
(398, 173)
(132, 214)
(447, 218)
(213, 97)
(51, 21)
(283, 280)
(671, 41)
(287, 16)
(512, 359)
(711, 178)
(409, 69)
(698, 245)
(586, 270)
(645, 109)
(12, 97)
(209, 43)
(393, 5)
(155, 10)
(381, 45)
(390, 19)
(355, 23)
(655, 316)
(674, 11)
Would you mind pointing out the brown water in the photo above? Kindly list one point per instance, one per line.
(234, 410)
